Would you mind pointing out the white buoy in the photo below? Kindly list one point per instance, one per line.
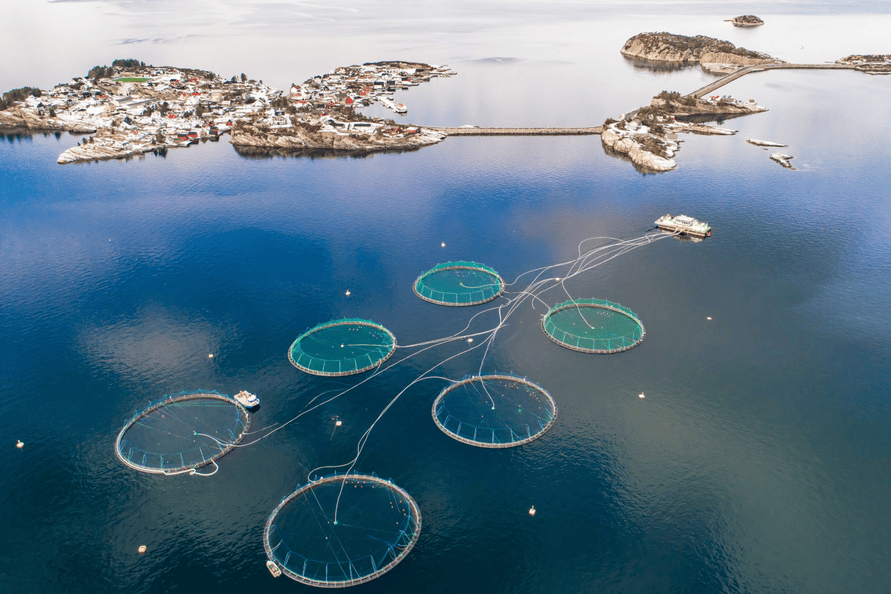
(210, 356)
(443, 244)
(142, 549)
(532, 511)
(19, 444)
(341, 346)
(338, 423)
(641, 395)
(348, 293)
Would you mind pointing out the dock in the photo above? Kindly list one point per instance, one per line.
(517, 131)
(698, 93)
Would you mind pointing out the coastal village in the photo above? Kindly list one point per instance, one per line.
(130, 109)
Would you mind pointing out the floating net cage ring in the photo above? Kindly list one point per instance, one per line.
(612, 329)
(342, 347)
(199, 428)
(381, 546)
(495, 410)
(459, 284)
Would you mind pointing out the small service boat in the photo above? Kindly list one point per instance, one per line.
(684, 225)
(273, 568)
(247, 400)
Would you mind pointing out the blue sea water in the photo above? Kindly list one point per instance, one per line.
(758, 461)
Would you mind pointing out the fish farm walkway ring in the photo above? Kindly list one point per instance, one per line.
(342, 347)
(567, 325)
(495, 410)
(459, 284)
(194, 442)
(382, 545)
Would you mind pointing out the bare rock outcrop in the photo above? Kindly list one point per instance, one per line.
(305, 138)
(746, 20)
(638, 145)
(682, 49)
(25, 119)
(869, 63)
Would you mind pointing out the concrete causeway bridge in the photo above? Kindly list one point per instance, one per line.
(761, 68)
(698, 93)
(475, 131)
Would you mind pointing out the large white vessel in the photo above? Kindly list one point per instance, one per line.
(684, 225)
(247, 400)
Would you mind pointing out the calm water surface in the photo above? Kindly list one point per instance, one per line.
(758, 461)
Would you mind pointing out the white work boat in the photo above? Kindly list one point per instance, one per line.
(273, 569)
(684, 225)
(247, 400)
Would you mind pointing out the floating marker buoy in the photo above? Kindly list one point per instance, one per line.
(641, 395)
(443, 244)
(532, 511)
(210, 356)
(142, 549)
(341, 346)
(348, 293)
(19, 444)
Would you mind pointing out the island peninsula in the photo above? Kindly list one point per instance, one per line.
(130, 109)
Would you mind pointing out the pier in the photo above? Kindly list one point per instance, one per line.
(517, 131)
(698, 93)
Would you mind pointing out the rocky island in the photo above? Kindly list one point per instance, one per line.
(648, 135)
(869, 63)
(714, 55)
(746, 20)
(129, 108)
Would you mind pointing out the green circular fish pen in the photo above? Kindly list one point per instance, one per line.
(182, 432)
(342, 347)
(494, 411)
(459, 284)
(593, 326)
(342, 530)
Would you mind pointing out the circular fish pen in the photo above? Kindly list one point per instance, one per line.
(593, 326)
(342, 530)
(494, 411)
(342, 347)
(459, 284)
(182, 432)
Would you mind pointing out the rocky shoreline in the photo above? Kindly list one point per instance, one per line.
(684, 50)
(746, 20)
(304, 138)
(648, 135)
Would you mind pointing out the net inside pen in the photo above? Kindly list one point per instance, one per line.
(342, 530)
(459, 284)
(593, 326)
(494, 411)
(342, 347)
(182, 432)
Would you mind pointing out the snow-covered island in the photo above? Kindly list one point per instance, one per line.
(130, 108)
(648, 135)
